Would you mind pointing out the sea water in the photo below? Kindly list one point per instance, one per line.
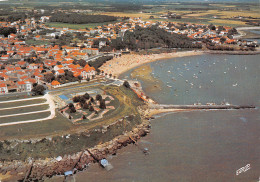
(199, 146)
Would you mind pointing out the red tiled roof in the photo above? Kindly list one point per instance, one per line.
(54, 83)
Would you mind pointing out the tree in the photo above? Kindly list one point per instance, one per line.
(83, 117)
(222, 39)
(92, 100)
(98, 97)
(38, 90)
(76, 99)
(105, 49)
(82, 63)
(118, 43)
(82, 100)
(49, 77)
(72, 110)
(91, 108)
(86, 96)
(89, 103)
(71, 105)
(85, 106)
(7, 31)
(79, 78)
(126, 84)
(77, 18)
(35, 84)
(102, 104)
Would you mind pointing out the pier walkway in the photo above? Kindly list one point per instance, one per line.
(206, 107)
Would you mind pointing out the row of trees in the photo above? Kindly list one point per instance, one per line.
(99, 61)
(81, 18)
(152, 37)
(7, 31)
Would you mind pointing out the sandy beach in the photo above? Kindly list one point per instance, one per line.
(119, 65)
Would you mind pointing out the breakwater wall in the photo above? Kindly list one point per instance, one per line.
(209, 107)
(234, 52)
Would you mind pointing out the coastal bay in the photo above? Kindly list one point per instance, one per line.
(124, 63)
(196, 145)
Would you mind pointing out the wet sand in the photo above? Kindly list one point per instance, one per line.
(119, 65)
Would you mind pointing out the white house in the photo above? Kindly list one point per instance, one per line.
(3, 88)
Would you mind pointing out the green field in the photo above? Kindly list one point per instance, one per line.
(125, 102)
(37, 129)
(24, 109)
(21, 103)
(26, 117)
(76, 26)
(37, 42)
(81, 135)
(14, 97)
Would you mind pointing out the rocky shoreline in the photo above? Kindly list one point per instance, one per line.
(41, 169)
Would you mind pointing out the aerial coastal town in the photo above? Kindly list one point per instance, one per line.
(23, 65)
(63, 104)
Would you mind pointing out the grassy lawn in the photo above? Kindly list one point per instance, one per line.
(37, 129)
(76, 26)
(24, 109)
(21, 103)
(14, 97)
(37, 42)
(24, 117)
(125, 103)
(81, 135)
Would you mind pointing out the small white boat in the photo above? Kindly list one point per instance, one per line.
(105, 164)
(227, 104)
(169, 86)
(234, 85)
(169, 71)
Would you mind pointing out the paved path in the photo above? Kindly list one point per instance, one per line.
(51, 109)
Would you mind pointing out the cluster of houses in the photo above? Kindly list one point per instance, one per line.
(19, 74)
(19, 77)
